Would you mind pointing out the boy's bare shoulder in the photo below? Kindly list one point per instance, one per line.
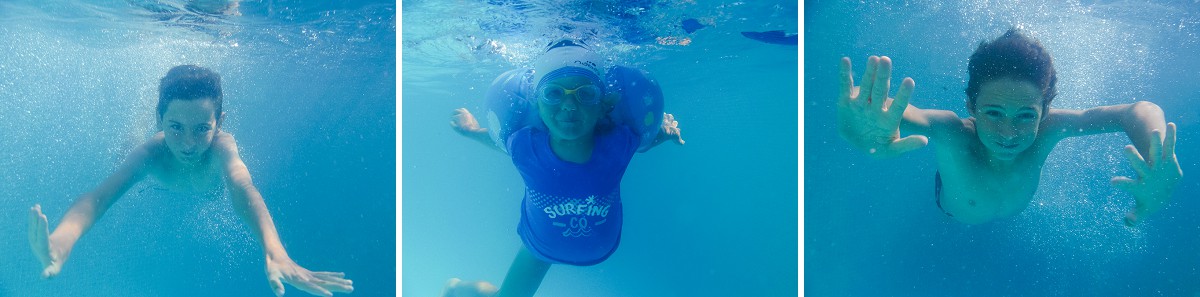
(224, 145)
(153, 147)
(148, 155)
(955, 130)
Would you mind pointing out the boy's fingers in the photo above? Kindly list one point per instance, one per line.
(1123, 183)
(333, 285)
(1169, 144)
(1136, 161)
(868, 81)
(331, 277)
(1156, 147)
(883, 77)
(33, 222)
(340, 288)
(276, 286)
(312, 288)
(896, 109)
(847, 80)
(327, 274)
(909, 143)
(38, 226)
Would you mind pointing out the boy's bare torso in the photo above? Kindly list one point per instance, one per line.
(169, 173)
(976, 189)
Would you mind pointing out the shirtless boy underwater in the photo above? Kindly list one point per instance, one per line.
(190, 154)
(990, 163)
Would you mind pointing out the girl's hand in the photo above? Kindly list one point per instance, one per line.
(867, 118)
(1156, 176)
(283, 269)
(464, 123)
(670, 128)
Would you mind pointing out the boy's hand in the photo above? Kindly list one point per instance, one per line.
(670, 128)
(284, 270)
(1156, 176)
(463, 122)
(867, 118)
(39, 241)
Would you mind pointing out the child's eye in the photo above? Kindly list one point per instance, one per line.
(176, 127)
(203, 129)
(1027, 116)
(992, 113)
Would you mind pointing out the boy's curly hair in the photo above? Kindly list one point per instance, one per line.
(189, 82)
(1016, 56)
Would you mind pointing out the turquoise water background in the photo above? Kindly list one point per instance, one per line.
(309, 94)
(872, 227)
(715, 217)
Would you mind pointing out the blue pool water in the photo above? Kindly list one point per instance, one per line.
(871, 226)
(715, 217)
(309, 93)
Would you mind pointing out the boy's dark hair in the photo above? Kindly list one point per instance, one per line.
(189, 82)
(1013, 56)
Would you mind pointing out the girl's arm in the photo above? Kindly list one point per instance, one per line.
(52, 249)
(669, 131)
(249, 204)
(465, 124)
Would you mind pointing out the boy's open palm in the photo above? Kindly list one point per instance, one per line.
(1157, 175)
(867, 118)
(39, 241)
(285, 270)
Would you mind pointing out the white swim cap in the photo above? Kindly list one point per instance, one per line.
(568, 58)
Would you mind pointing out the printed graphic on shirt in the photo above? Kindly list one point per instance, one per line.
(576, 216)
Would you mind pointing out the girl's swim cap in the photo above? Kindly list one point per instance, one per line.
(567, 57)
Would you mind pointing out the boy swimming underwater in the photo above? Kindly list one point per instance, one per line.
(572, 161)
(191, 153)
(989, 164)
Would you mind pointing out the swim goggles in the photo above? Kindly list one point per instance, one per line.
(554, 94)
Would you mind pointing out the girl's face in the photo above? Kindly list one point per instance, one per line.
(189, 127)
(570, 106)
(1007, 114)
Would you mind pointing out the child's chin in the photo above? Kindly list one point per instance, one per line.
(568, 133)
(1004, 155)
(187, 160)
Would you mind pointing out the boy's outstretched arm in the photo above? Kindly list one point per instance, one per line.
(280, 268)
(52, 249)
(1152, 154)
(465, 124)
(868, 118)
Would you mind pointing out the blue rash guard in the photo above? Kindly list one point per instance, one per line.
(571, 213)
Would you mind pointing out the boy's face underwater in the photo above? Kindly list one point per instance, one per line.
(189, 127)
(1007, 115)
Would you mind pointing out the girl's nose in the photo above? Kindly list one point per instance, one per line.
(570, 104)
